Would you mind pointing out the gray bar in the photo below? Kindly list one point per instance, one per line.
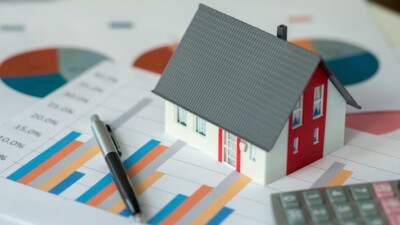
(145, 172)
(328, 175)
(12, 27)
(126, 25)
(110, 201)
(156, 163)
(209, 198)
(86, 146)
(57, 168)
(128, 114)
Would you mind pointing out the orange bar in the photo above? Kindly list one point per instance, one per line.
(117, 207)
(187, 205)
(220, 202)
(146, 160)
(147, 182)
(305, 43)
(57, 178)
(102, 195)
(50, 162)
(340, 178)
(40, 62)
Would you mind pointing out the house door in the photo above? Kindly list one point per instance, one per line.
(231, 150)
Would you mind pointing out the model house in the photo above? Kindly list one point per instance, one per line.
(250, 99)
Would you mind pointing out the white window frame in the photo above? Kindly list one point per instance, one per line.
(298, 110)
(295, 145)
(181, 116)
(318, 101)
(201, 126)
(252, 152)
(316, 136)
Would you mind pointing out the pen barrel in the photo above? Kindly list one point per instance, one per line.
(122, 182)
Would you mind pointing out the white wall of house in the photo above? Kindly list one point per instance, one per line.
(207, 143)
(268, 166)
(262, 166)
(254, 166)
(277, 157)
(335, 120)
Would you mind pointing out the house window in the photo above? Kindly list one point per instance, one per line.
(182, 116)
(316, 135)
(295, 145)
(318, 96)
(297, 113)
(200, 126)
(252, 153)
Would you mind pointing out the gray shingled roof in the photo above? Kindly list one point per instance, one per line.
(238, 77)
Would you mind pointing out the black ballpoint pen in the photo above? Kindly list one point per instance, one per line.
(110, 149)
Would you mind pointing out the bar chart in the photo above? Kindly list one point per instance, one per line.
(56, 169)
(175, 183)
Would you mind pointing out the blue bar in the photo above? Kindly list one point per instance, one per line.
(31, 165)
(220, 216)
(168, 209)
(125, 213)
(106, 180)
(142, 151)
(66, 183)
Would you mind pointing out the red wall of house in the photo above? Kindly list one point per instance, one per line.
(307, 150)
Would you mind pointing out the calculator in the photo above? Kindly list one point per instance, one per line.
(371, 204)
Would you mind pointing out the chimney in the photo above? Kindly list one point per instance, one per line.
(282, 32)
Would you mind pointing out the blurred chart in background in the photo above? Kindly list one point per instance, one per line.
(40, 72)
(351, 64)
(27, 76)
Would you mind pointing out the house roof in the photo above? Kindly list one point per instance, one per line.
(239, 77)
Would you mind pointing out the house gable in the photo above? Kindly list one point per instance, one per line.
(308, 149)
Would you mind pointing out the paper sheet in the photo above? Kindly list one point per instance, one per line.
(74, 183)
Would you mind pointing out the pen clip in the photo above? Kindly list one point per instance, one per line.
(114, 139)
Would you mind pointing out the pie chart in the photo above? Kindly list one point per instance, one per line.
(379, 122)
(350, 63)
(38, 73)
(155, 60)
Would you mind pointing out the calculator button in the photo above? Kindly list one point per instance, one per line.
(374, 221)
(348, 222)
(367, 208)
(295, 216)
(325, 223)
(390, 205)
(336, 195)
(360, 192)
(289, 200)
(319, 214)
(312, 198)
(383, 189)
(394, 219)
(343, 211)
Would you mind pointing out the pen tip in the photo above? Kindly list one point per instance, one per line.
(94, 117)
(137, 217)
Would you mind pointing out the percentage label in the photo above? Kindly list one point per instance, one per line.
(76, 97)
(106, 77)
(44, 119)
(91, 87)
(11, 142)
(3, 157)
(60, 108)
(25, 129)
